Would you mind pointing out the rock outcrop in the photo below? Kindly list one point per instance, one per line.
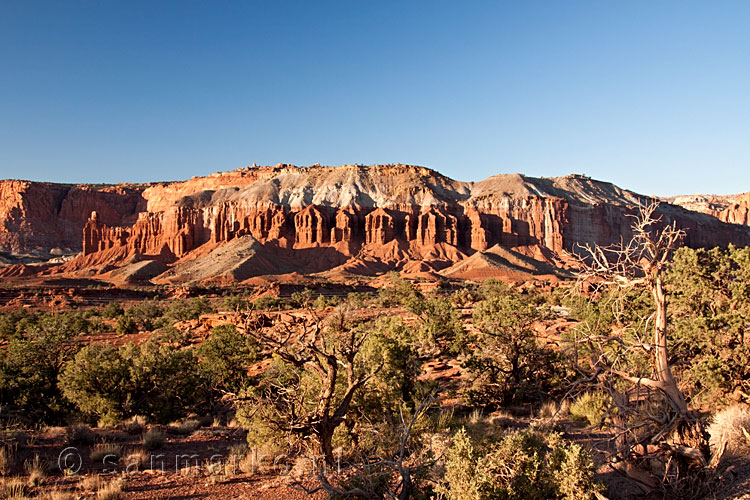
(737, 212)
(380, 227)
(43, 216)
(314, 219)
(733, 209)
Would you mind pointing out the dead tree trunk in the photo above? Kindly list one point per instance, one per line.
(662, 369)
(661, 447)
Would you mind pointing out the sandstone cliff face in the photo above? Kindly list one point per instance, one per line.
(733, 209)
(316, 218)
(737, 212)
(43, 216)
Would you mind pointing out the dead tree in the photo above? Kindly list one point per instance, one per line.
(327, 349)
(660, 443)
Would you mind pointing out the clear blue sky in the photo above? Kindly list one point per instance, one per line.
(651, 95)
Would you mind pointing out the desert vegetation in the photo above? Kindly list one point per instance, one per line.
(636, 374)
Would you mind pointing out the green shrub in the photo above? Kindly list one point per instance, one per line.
(400, 292)
(507, 363)
(524, 465)
(113, 310)
(257, 412)
(164, 379)
(303, 298)
(12, 323)
(441, 328)
(356, 300)
(321, 302)
(461, 481)
(710, 311)
(236, 303)
(158, 379)
(269, 302)
(98, 382)
(31, 364)
(262, 435)
(125, 325)
(392, 346)
(145, 315)
(185, 310)
(590, 407)
(225, 356)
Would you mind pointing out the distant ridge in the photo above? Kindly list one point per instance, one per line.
(347, 220)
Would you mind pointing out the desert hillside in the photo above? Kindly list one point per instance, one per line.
(338, 221)
(733, 208)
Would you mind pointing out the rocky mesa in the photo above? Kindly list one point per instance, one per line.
(734, 209)
(352, 219)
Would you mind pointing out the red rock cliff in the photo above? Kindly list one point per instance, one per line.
(737, 212)
(42, 216)
(386, 214)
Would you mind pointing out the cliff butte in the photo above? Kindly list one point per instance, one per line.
(332, 222)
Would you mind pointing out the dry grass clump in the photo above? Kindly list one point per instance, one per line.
(111, 491)
(135, 425)
(188, 470)
(7, 460)
(214, 468)
(36, 468)
(153, 439)
(236, 454)
(238, 450)
(501, 418)
(13, 489)
(552, 410)
(248, 464)
(59, 495)
(79, 434)
(90, 483)
(548, 410)
(101, 451)
(115, 435)
(15, 437)
(137, 457)
(481, 426)
(53, 433)
(475, 417)
(302, 467)
(445, 419)
(208, 433)
(185, 428)
(730, 427)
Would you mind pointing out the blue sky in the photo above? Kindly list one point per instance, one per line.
(653, 95)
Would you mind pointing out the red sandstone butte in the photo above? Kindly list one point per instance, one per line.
(353, 218)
